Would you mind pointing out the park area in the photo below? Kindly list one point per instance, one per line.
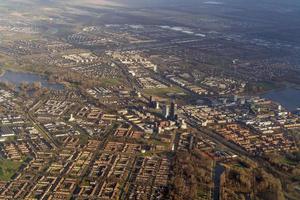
(8, 169)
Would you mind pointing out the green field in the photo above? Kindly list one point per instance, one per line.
(110, 81)
(163, 92)
(8, 168)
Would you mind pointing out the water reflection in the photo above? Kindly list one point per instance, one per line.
(20, 77)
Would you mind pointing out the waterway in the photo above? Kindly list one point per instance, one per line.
(20, 77)
(219, 169)
(288, 97)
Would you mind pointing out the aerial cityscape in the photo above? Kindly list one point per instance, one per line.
(146, 100)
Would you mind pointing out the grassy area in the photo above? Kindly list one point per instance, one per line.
(162, 92)
(8, 169)
(158, 143)
(83, 138)
(5, 60)
(13, 65)
(110, 81)
(288, 161)
(25, 65)
(203, 192)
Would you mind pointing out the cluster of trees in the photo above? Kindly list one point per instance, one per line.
(192, 175)
(34, 89)
(256, 183)
(288, 163)
(294, 156)
(260, 87)
(34, 86)
(64, 76)
(7, 85)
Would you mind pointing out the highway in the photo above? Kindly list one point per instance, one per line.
(41, 130)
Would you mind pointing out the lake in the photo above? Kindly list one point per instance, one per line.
(20, 77)
(288, 97)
